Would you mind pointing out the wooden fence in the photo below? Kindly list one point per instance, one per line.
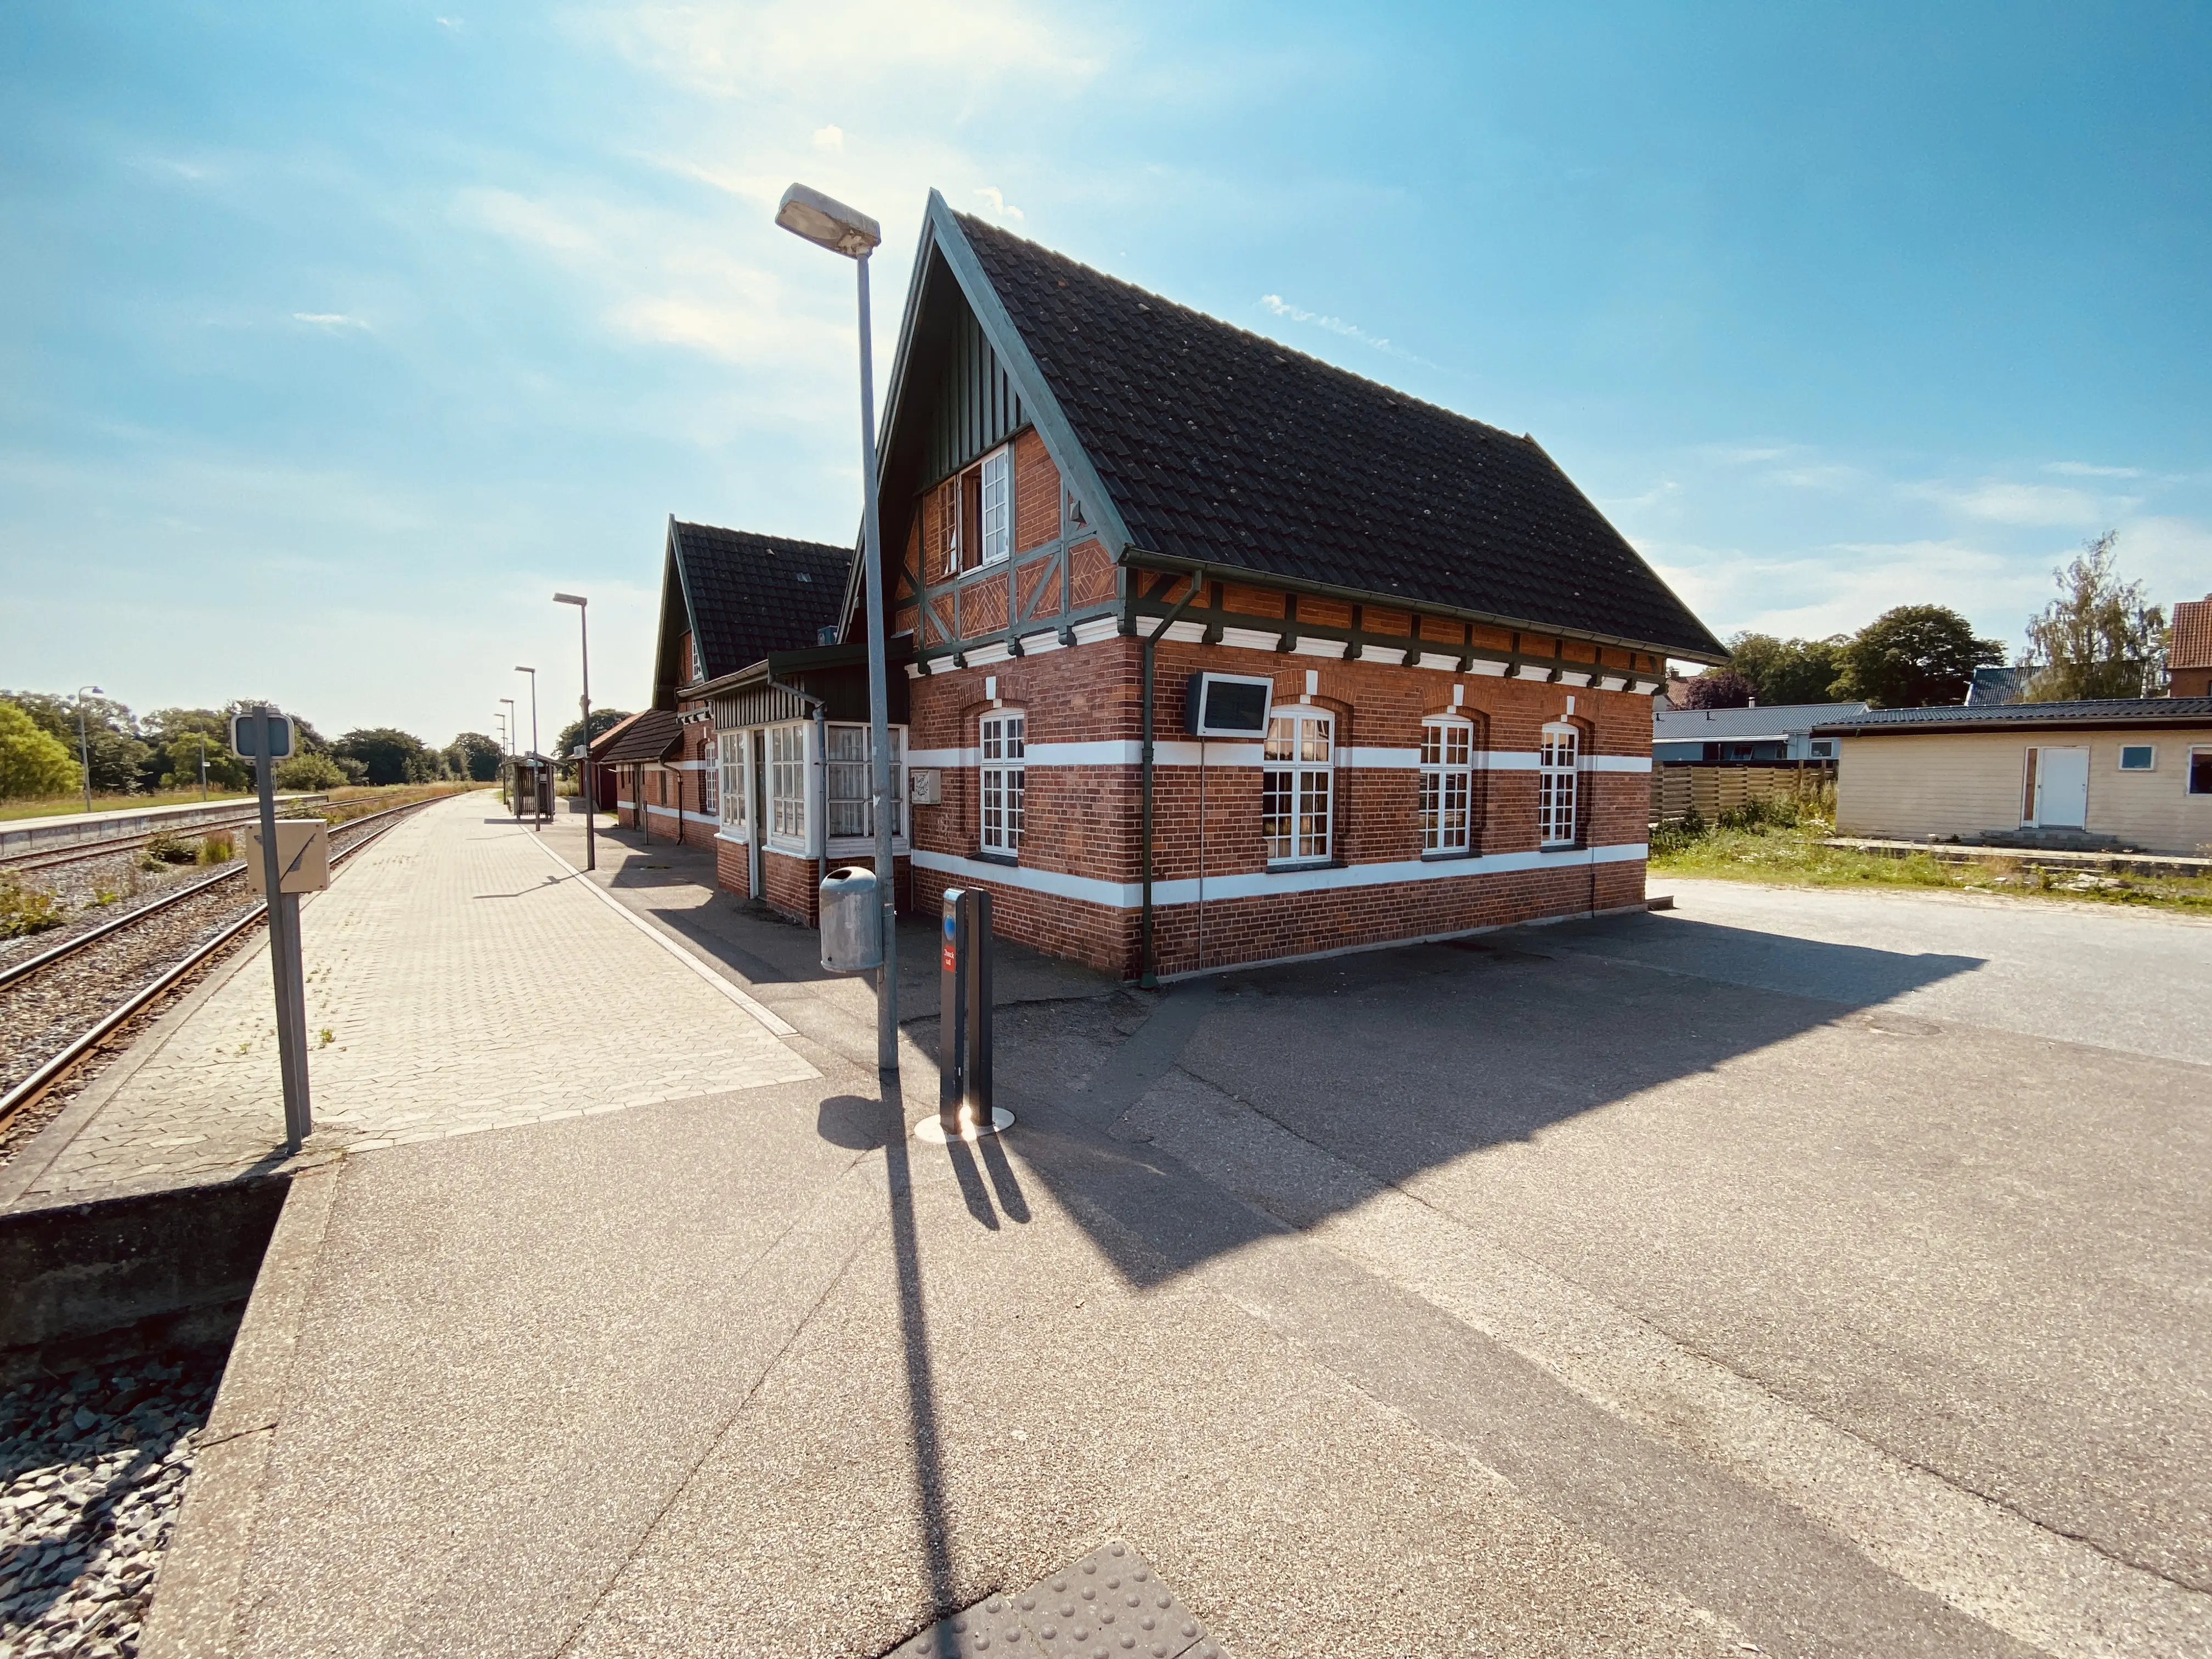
(1717, 786)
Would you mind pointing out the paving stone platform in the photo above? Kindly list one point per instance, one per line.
(459, 979)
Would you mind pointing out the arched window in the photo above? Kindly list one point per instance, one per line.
(1295, 784)
(1003, 780)
(1557, 769)
(1447, 784)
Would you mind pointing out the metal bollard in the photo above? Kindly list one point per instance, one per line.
(964, 1108)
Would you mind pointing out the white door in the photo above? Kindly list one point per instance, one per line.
(2061, 787)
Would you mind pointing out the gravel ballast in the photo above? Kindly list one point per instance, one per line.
(92, 1468)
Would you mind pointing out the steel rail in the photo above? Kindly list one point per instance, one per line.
(55, 1065)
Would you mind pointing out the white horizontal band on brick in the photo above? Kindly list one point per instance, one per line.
(984, 655)
(1096, 628)
(1184, 752)
(1308, 647)
(625, 805)
(1035, 644)
(1184, 633)
(1249, 639)
(1130, 896)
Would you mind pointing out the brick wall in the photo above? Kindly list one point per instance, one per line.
(1084, 820)
(794, 883)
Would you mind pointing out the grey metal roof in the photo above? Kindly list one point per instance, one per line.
(2103, 712)
(1746, 724)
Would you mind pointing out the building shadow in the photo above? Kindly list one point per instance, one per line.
(1400, 1061)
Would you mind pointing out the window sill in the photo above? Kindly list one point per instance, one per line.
(1292, 868)
(1446, 857)
(1012, 861)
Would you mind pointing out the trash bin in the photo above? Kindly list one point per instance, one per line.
(852, 922)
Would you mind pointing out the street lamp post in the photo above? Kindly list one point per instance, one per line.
(831, 224)
(537, 819)
(84, 743)
(509, 735)
(584, 771)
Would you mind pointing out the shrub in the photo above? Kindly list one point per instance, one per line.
(218, 848)
(168, 849)
(25, 909)
(309, 772)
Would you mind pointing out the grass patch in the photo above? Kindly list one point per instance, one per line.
(54, 807)
(1774, 842)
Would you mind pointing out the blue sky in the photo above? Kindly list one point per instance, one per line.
(336, 337)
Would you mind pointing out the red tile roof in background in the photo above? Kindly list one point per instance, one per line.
(2192, 634)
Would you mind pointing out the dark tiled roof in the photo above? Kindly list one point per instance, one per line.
(647, 737)
(1745, 725)
(1222, 446)
(752, 595)
(2191, 646)
(2101, 711)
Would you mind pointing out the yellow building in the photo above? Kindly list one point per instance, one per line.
(2134, 773)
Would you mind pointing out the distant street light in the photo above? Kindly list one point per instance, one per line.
(83, 744)
(536, 800)
(831, 224)
(584, 771)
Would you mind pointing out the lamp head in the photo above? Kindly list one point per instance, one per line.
(524, 668)
(827, 222)
(570, 598)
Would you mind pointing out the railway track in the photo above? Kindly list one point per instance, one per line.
(78, 852)
(60, 1006)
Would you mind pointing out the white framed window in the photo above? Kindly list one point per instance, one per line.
(787, 782)
(997, 513)
(731, 758)
(845, 784)
(2200, 771)
(1447, 785)
(1003, 780)
(1297, 785)
(1558, 764)
(710, 793)
(949, 525)
(2138, 758)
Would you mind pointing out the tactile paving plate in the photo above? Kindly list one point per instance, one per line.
(1109, 1605)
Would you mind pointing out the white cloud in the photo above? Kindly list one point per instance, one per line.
(2000, 502)
(992, 194)
(732, 52)
(452, 23)
(1282, 307)
(2084, 470)
(336, 321)
(829, 138)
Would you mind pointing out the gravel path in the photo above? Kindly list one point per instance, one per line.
(92, 1468)
(78, 887)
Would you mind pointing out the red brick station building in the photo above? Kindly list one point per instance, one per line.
(1438, 655)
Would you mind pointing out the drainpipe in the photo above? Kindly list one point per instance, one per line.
(1148, 966)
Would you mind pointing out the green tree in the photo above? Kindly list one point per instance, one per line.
(2098, 638)
(473, 755)
(604, 721)
(309, 771)
(387, 755)
(177, 735)
(1789, 670)
(111, 734)
(1915, 656)
(33, 761)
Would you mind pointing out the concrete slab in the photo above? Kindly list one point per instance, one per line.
(1583, 1291)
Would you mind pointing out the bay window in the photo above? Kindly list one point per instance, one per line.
(730, 758)
(787, 782)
